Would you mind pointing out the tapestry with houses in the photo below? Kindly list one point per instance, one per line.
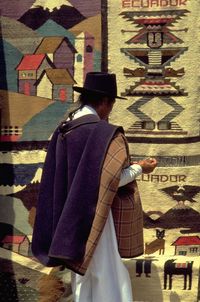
(46, 47)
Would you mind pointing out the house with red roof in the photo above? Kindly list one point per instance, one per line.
(29, 70)
(19, 244)
(55, 84)
(187, 246)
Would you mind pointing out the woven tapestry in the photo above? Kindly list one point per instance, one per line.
(156, 59)
(46, 47)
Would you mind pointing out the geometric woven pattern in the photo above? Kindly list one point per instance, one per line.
(136, 108)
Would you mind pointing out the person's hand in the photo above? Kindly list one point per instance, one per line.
(148, 165)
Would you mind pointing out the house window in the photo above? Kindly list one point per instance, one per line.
(193, 249)
(183, 253)
(16, 130)
(30, 74)
(79, 58)
(23, 74)
(6, 130)
(89, 48)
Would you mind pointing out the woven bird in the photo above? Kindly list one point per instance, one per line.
(182, 193)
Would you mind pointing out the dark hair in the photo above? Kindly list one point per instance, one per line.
(91, 99)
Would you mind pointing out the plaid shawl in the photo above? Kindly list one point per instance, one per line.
(69, 189)
(125, 204)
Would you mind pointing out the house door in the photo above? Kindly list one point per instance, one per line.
(63, 95)
(27, 88)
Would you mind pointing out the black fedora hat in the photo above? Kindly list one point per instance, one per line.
(100, 83)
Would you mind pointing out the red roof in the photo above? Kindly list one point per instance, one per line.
(31, 62)
(13, 239)
(187, 240)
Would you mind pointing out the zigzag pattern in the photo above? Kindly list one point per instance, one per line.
(157, 87)
(177, 110)
(141, 55)
(134, 108)
(177, 15)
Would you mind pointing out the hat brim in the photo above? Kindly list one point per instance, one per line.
(89, 91)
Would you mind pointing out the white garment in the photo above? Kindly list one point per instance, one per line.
(129, 174)
(106, 279)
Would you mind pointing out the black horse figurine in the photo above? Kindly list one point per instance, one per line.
(171, 268)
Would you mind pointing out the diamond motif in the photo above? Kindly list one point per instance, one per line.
(156, 109)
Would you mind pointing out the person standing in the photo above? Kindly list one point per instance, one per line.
(89, 213)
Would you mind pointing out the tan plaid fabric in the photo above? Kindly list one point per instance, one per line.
(126, 213)
(128, 220)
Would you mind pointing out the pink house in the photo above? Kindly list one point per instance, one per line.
(19, 244)
(29, 70)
